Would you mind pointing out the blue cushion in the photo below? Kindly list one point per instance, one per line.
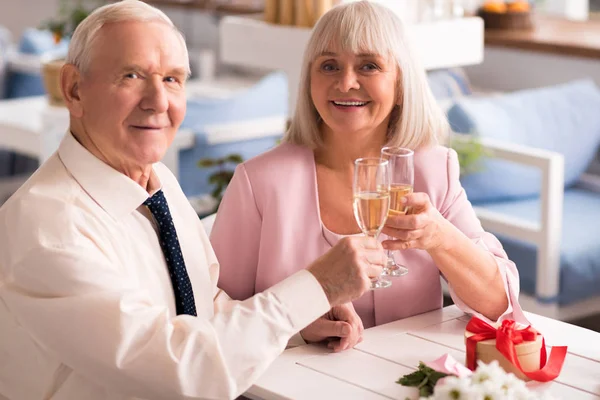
(448, 83)
(265, 99)
(579, 249)
(36, 41)
(268, 98)
(5, 41)
(21, 84)
(12, 163)
(563, 118)
(6, 163)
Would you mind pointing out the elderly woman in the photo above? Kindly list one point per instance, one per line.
(362, 89)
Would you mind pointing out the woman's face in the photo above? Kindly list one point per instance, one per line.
(354, 93)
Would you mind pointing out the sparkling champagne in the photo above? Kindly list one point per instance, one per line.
(397, 192)
(370, 211)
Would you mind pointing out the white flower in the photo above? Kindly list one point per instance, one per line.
(488, 372)
(488, 382)
(513, 385)
(453, 389)
(488, 390)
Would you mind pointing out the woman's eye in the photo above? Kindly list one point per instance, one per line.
(328, 67)
(370, 67)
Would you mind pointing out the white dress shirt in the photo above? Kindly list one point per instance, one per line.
(86, 304)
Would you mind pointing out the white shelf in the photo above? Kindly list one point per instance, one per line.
(250, 42)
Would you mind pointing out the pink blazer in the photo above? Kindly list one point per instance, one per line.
(269, 226)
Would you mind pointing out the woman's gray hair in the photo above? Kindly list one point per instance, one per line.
(366, 27)
(82, 42)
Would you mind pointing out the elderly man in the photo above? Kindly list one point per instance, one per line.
(107, 279)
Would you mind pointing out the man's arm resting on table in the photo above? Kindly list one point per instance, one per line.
(80, 306)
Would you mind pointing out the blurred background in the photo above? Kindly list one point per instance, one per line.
(518, 80)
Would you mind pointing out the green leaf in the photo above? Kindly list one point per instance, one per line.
(469, 150)
(234, 158)
(424, 379)
(413, 379)
(222, 176)
(217, 191)
(426, 391)
(78, 15)
(207, 162)
(435, 376)
(214, 178)
(226, 176)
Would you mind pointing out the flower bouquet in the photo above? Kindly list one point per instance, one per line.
(446, 379)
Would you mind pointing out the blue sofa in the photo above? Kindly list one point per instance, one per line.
(248, 124)
(546, 214)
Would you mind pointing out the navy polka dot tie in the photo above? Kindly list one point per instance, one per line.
(182, 287)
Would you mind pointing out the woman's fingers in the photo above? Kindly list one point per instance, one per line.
(403, 234)
(417, 200)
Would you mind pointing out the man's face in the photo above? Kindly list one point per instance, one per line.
(132, 94)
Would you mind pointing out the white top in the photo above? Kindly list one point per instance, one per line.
(86, 304)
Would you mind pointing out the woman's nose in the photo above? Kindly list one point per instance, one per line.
(348, 80)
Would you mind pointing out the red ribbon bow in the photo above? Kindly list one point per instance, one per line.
(507, 336)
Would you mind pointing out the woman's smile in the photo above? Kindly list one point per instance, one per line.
(349, 105)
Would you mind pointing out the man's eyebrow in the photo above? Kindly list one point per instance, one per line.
(182, 72)
(178, 71)
(132, 67)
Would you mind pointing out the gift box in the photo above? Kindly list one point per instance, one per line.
(528, 354)
(518, 349)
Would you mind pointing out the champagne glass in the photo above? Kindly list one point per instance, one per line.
(371, 190)
(402, 176)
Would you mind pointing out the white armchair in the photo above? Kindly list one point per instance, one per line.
(546, 233)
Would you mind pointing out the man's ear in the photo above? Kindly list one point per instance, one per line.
(70, 81)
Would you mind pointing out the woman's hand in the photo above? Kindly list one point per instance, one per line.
(422, 228)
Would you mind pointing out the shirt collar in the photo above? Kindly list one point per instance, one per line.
(115, 192)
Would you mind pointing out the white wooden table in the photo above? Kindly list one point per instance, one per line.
(389, 351)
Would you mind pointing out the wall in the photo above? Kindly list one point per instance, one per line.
(17, 15)
(200, 28)
(512, 69)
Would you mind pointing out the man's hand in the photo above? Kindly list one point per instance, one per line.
(341, 326)
(346, 270)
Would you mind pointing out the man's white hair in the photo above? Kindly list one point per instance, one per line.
(82, 42)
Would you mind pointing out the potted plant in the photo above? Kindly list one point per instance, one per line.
(70, 15)
(470, 152)
(222, 175)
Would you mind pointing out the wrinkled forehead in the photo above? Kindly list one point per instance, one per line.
(135, 41)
